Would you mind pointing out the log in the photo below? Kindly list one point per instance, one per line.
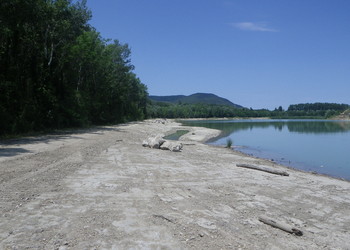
(265, 169)
(280, 225)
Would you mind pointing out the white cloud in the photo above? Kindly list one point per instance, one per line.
(250, 26)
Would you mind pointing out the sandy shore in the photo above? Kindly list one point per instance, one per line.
(100, 189)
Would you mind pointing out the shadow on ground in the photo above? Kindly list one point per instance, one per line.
(8, 152)
(14, 147)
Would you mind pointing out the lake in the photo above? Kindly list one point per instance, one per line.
(321, 146)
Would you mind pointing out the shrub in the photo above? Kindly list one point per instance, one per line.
(229, 143)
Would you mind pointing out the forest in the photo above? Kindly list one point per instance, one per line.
(57, 71)
(201, 110)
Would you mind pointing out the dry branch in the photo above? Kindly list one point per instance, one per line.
(265, 169)
(163, 217)
(280, 225)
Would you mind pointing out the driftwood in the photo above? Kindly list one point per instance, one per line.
(280, 225)
(265, 169)
(163, 217)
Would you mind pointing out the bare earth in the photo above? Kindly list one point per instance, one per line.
(100, 189)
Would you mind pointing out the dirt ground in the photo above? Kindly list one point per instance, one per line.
(100, 189)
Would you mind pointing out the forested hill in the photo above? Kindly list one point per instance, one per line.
(169, 98)
(203, 98)
(57, 71)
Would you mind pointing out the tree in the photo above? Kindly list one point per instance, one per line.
(57, 71)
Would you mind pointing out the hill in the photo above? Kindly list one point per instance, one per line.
(204, 98)
(170, 98)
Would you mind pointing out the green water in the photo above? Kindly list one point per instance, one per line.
(176, 135)
(320, 146)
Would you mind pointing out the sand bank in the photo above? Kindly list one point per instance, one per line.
(101, 189)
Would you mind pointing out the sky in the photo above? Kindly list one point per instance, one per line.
(255, 53)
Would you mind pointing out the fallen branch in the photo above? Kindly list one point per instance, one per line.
(162, 217)
(280, 225)
(265, 169)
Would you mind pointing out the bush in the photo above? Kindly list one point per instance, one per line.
(229, 143)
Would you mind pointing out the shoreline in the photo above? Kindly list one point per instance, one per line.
(291, 167)
(101, 189)
(257, 157)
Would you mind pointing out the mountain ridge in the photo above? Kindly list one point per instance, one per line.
(205, 98)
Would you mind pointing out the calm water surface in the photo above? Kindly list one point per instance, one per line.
(322, 146)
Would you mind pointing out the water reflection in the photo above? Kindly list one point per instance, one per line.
(294, 126)
(312, 145)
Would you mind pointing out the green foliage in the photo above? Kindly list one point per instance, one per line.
(325, 110)
(318, 107)
(57, 71)
(168, 110)
(199, 110)
(229, 143)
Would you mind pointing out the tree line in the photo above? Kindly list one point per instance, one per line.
(317, 109)
(168, 110)
(200, 110)
(57, 71)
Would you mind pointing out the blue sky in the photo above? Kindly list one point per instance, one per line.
(256, 53)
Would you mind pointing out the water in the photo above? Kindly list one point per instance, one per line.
(175, 136)
(320, 146)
